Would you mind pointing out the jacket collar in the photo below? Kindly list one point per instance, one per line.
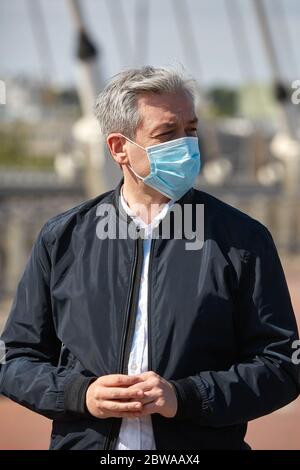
(187, 198)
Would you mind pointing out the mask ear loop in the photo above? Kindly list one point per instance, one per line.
(138, 176)
(143, 148)
(132, 141)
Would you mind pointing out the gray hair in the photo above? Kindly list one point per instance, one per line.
(116, 107)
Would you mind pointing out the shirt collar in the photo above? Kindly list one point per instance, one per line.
(140, 222)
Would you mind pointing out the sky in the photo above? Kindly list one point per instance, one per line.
(208, 51)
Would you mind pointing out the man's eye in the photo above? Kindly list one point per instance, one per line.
(166, 133)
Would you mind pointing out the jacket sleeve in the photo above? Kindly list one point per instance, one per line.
(264, 378)
(29, 371)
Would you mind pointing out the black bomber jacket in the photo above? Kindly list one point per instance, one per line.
(220, 324)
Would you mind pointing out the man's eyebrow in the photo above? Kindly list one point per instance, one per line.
(164, 125)
(168, 124)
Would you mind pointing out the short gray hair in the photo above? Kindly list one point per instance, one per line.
(116, 106)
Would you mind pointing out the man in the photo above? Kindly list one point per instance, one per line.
(130, 339)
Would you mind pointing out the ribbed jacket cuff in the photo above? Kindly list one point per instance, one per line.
(188, 398)
(75, 394)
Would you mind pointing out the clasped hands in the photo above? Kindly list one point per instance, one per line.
(131, 396)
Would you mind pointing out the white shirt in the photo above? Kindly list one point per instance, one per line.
(137, 433)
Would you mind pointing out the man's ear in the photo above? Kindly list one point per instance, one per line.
(116, 144)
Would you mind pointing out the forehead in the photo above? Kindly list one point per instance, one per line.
(174, 107)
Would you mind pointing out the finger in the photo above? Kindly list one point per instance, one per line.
(125, 414)
(119, 393)
(120, 380)
(147, 375)
(148, 398)
(149, 408)
(145, 386)
(117, 407)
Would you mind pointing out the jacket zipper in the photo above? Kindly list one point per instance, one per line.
(133, 308)
(149, 324)
(150, 365)
(127, 332)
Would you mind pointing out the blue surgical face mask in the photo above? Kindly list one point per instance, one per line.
(174, 166)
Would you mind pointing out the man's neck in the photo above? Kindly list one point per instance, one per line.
(145, 202)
